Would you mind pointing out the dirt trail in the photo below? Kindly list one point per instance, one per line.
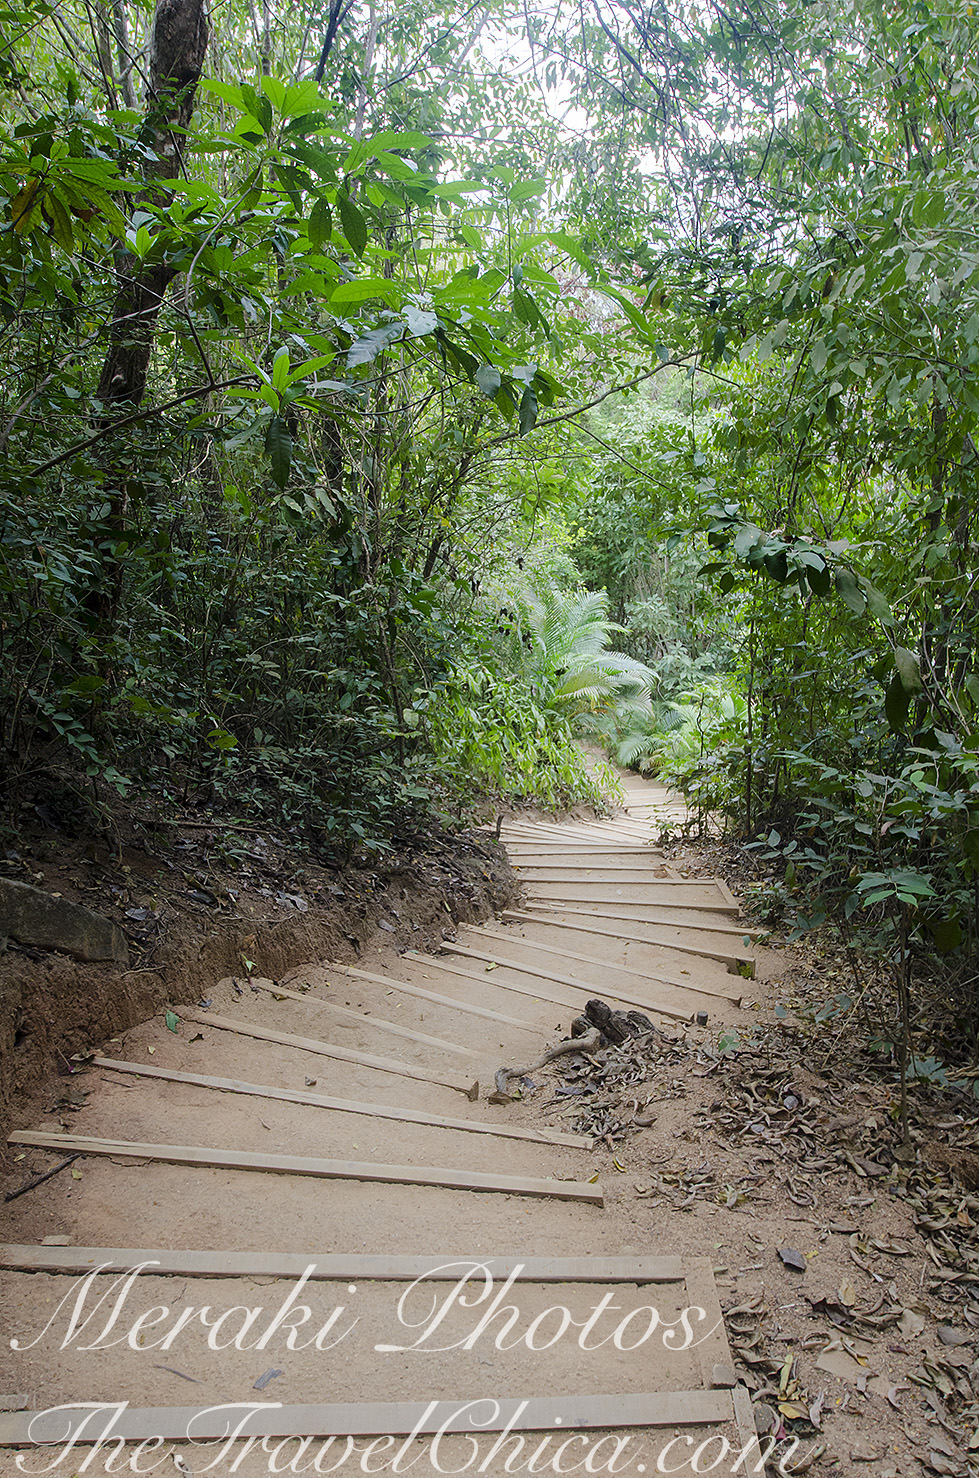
(602, 915)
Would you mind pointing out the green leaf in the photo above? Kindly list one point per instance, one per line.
(172, 1021)
(258, 106)
(527, 189)
(909, 670)
(849, 591)
(361, 289)
(280, 369)
(488, 379)
(946, 933)
(383, 143)
(896, 704)
(320, 224)
(226, 92)
(528, 410)
(353, 223)
(278, 449)
(746, 539)
(221, 739)
(877, 602)
(275, 91)
(57, 214)
(301, 99)
(819, 579)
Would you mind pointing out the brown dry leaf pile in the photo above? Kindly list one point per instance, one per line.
(881, 1367)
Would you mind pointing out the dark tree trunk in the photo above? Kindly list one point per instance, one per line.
(178, 45)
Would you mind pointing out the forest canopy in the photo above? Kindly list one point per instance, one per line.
(394, 392)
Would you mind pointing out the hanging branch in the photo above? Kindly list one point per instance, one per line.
(338, 14)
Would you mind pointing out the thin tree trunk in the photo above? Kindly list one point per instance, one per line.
(124, 54)
(178, 45)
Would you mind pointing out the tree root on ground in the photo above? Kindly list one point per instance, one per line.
(589, 1042)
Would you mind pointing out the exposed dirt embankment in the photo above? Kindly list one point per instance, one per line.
(205, 904)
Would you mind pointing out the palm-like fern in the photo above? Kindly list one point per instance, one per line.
(561, 643)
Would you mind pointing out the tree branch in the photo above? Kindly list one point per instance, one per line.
(136, 416)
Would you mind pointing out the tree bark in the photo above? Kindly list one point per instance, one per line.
(178, 45)
(124, 54)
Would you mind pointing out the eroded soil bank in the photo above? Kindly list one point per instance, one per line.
(200, 902)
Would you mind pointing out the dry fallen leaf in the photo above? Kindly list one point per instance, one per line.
(910, 1324)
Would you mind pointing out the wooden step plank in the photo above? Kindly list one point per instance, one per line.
(409, 988)
(602, 966)
(650, 913)
(663, 891)
(594, 869)
(673, 884)
(327, 1049)
(685, 943)
(378, 1023)
(677, 1010)
(652, 869)
(347, 1105)
(586, 853)
(598, 830)
(539, 993)
(341, 1267)
(384, 1418)
(638, 913)
(422, 1175)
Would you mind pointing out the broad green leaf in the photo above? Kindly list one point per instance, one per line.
(527, 189)
(819, 579)
(573, 247)
(275, 91)
(24, 207)
(454, 188)
(373, 343)
(896, 704)
(420, 321)
(320, 224)
(528, 410)
(300, 99)
(353, 224)
(877, 603)
(488, 379)
(383, 143)
(280, 369)
(396, 168)
(60, 219)
(278, 449)
(849, 591)
(362, 289)
(909, 669)
(226, 92)
(746, 539)
(308, 367)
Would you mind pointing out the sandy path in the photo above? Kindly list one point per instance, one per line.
(127, 1203)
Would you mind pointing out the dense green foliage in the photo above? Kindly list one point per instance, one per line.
(363, 398)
